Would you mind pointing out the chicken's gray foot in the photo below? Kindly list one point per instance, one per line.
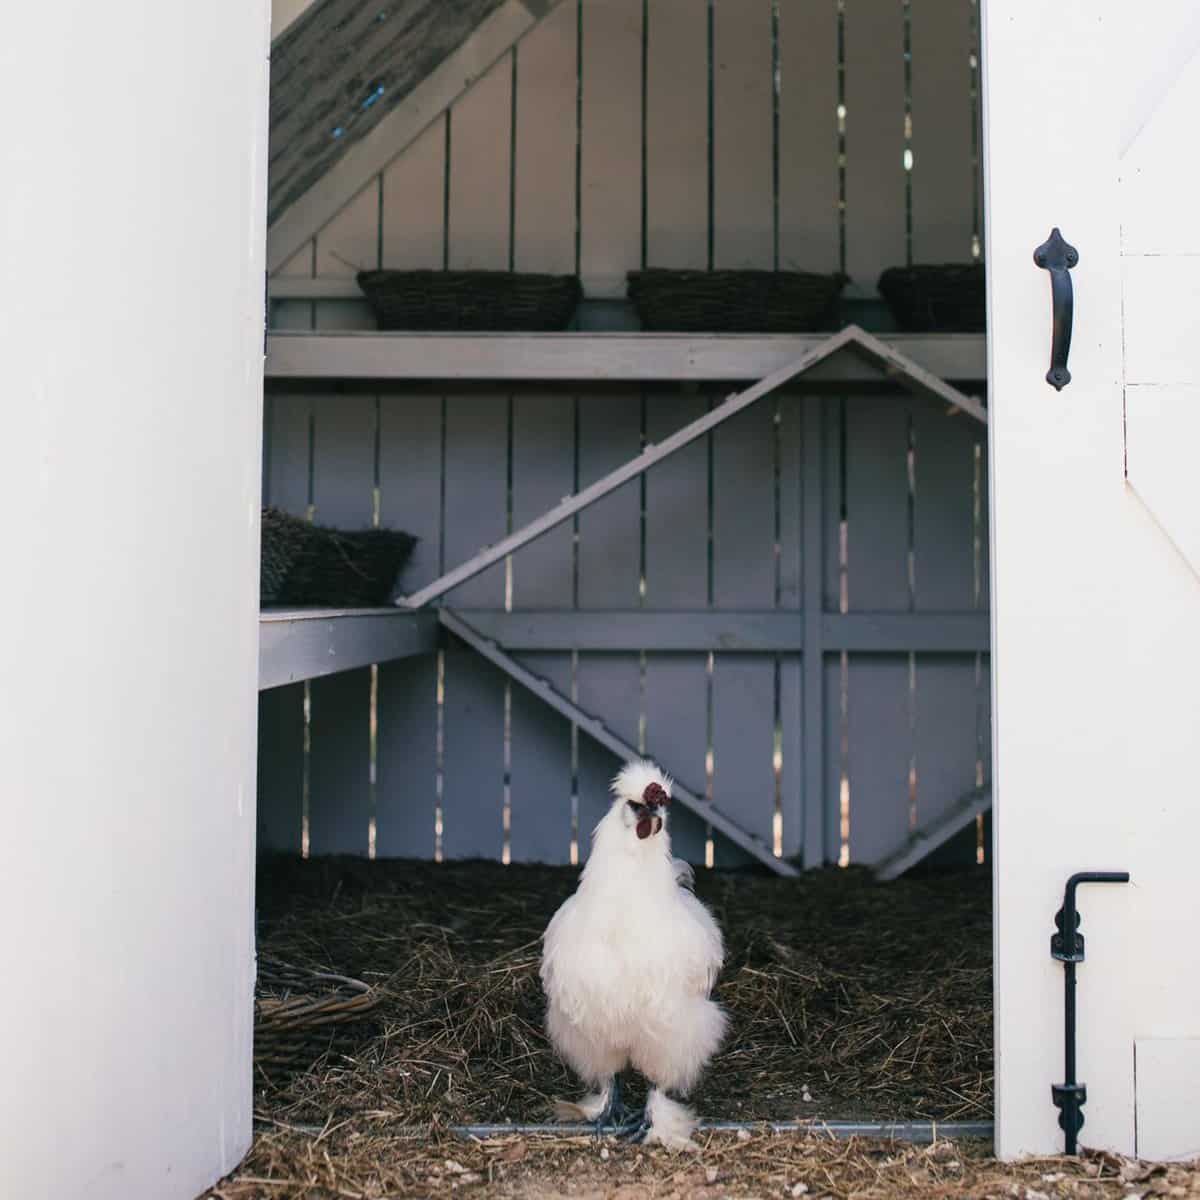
(634, 1128)
(615, 1113)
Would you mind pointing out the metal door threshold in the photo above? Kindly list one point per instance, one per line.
(919, 1132)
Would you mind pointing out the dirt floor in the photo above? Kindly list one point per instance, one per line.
(847, 998)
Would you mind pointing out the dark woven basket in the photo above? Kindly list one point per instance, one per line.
(735, 301)
(470, 300)
(305, 564)
(300, 1014)
(936, 297)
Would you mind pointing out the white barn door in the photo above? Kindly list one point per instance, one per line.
(1090, 110)
(132, 248)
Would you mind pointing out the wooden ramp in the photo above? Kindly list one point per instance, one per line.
(596, 729)
(924, 842)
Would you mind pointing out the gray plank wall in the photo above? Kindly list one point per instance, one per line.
(864, 505)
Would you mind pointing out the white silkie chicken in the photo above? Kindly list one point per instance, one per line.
(628, 965)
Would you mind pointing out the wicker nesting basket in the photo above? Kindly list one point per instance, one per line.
(936, 297)
(735, 301)
(298, 1013)
(305, 564)
(498, 301)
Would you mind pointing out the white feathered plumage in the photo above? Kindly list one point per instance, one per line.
(629, 963)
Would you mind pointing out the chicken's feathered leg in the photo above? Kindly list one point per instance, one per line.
(603, 1110)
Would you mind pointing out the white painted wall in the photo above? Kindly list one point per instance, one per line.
(132, 243)
(1096, 636)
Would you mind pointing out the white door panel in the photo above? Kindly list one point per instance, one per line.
(1096, 636)
(1158, 197)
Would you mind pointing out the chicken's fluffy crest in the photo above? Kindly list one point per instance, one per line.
(635, 777)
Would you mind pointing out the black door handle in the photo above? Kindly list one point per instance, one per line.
(1057, 257)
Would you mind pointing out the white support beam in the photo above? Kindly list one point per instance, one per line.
(583, 357)
(494, 37)
(596, 729)
(925, 841)
(900, 369)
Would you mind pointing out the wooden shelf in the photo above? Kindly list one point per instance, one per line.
(306, 643)
(299, 644)
(600, 357)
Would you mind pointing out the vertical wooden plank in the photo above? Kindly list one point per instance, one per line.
(744, 510)
(406, 758)
(543, 472)
(473, 763)
(544, 145)
(836, 735)
(942, 40)
(880, 751)
(410, 487)
(410, 478)
(610, 145)
(743, 686)
(743, 137)
(295, 314)
(877, 503)
(819, 526)
(287, 441)
(350, 242)
(808, 137)
(880, 742)
(610, 431)
(609, 569)
(676, 703)
(344, 460)
(597, 769)
(413, 203)
(677, 134)
(542, 577)
(875, 176)
(743, 699)
(833, 490)
(791, 418)
(793, 719)
(944, 554)
(347, 245)
(480, 159)
(677, 510)
(943, 511)
(677, 685)
(476, 504)
(339, 759)
(476, 490)
(945, 734)
(280, 768)
(540, 777)
(793, 788)
(339, 794)
(609, 687)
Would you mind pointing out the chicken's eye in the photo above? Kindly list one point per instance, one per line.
(637, 808)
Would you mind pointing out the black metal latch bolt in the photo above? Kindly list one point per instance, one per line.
(1067, 946)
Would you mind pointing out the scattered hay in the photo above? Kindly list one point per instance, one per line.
(872, 999)
(367, 1159)
(847, 998)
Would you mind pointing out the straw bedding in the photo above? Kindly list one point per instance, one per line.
(848, 999)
